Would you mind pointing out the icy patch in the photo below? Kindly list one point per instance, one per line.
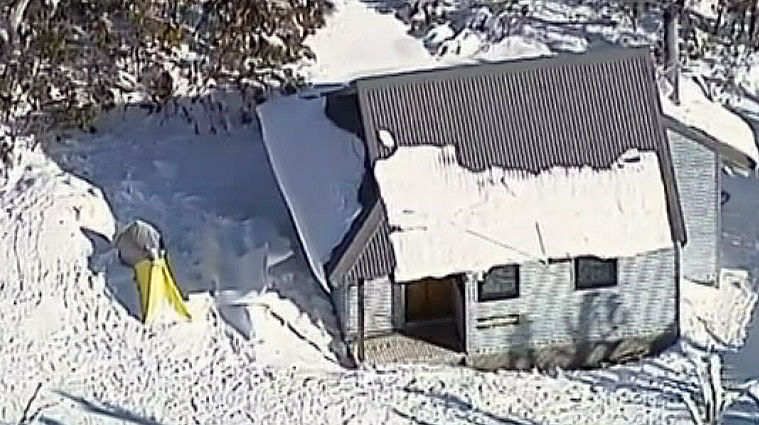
(319, 168)
(476, 220)
(698, 111)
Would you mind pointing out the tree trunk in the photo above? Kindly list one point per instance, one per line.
(753, 27)
(720, 15)
(15, 18)
(671, 19)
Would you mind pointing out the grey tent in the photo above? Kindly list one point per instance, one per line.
(139, 241)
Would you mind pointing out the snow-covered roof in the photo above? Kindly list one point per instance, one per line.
(697, 111)
(319, 168)
(448, 219)
(568, 111)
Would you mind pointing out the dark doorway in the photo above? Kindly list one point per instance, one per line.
(429, 299)
(433, 310)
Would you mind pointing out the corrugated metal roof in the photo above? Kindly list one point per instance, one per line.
(568, 110)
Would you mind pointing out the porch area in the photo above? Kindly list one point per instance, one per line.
(428, 324)
(428, 343)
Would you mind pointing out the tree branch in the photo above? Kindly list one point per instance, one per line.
(25, 418)
(16, 16)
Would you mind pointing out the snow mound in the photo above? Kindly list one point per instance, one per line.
(364, 53)
(698, 111)
(717, 316)
(70, 311)
(357, 41)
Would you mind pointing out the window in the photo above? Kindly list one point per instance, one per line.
(500, 283)
(592, 272)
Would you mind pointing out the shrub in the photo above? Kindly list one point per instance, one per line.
(64, 61)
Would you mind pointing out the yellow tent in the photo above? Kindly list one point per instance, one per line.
(156, 285)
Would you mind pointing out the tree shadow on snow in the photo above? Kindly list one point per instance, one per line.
(630, 365)
(645, 367)
(456, 406)
(738, 235)
(44, 420)
(107, 410)
(615, 364)
(198, 170)
(572, 35)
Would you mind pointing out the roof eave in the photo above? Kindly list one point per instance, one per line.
(729, 153)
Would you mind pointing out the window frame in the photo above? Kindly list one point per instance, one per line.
(580, 285)
(483, 296)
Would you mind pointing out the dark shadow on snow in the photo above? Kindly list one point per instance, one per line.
(461, 409)
(510, 19)
(237, 187)
(124, 292)
(107, 410)
(44, 420)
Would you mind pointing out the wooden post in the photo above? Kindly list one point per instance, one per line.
(361, 315)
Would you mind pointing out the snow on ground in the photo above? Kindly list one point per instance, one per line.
(72, 331)
(497, 216)
(705, 8)
(77, 332)
(215, 201)
(740, 235)
(356, 31)
(383, 45)
(717, 317)
(69, 322)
